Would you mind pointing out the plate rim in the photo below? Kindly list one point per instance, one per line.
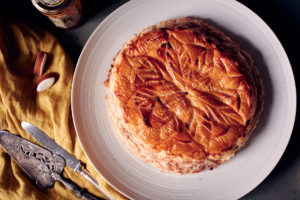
(130, 3)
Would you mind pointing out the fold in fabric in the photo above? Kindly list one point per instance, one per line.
(49, 110)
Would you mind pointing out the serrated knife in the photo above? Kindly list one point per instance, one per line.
(51, 145)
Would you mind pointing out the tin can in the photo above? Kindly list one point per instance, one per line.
(64, 14)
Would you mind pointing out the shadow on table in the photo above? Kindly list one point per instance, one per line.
(93, 7)
(25, 11)
(280, 16)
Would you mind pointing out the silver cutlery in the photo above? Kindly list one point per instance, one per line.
(51, 145)
(40, 164)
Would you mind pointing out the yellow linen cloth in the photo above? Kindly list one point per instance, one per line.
(49, 110)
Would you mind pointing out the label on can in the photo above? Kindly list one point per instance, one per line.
(67, 20)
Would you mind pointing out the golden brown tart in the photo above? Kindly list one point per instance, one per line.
(184, 96)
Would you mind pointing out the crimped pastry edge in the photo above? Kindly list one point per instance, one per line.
(171, 163)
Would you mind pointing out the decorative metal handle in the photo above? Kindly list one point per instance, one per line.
(85, 174)
(81, 193)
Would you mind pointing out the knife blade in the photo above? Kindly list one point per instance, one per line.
(41, 165)
(46, 141)
(51, 145)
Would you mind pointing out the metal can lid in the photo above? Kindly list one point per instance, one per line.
(51, 6)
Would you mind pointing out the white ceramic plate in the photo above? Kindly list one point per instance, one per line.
(138, 180)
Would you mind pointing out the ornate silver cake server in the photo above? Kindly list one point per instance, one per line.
(39, 163)
(50, 144)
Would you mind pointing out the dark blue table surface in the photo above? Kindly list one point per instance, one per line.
(283, 16)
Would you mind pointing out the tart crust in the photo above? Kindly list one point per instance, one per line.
(184, 96)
